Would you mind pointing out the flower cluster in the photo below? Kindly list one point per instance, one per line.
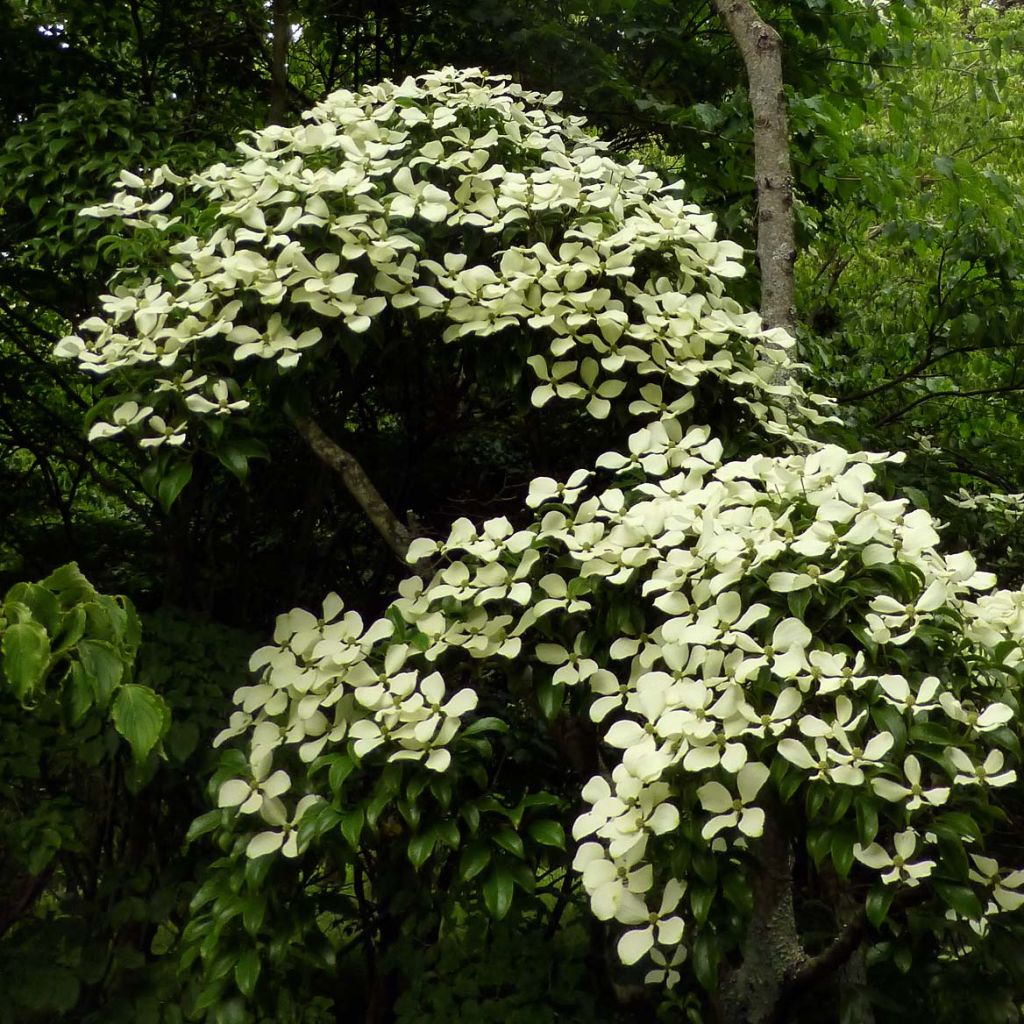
(793, 632)
(361, 217)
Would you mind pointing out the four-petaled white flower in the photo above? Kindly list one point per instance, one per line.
(897, 866)
(732, 811)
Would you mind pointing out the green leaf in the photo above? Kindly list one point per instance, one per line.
(253, 913)
(867, 821)
(736, 888)
(26, 657)
(962, 899)
(509, 841)
(448, 833)
(69, 585)
(80, 695)
(547, 833)
(203, 824)
(475, 857)
(247, 972)
(141, 717)
(701, 899)
(485, 725)
(550, 697)
(421, 847)
(498, 886)
(706, 867)
(889, 720)
(705, 959)
(43, 604)
(963, 825)
(442, 790)
(104, 666)
(70, 631)
(931, 732)
(819, 844)
(341, 768)
(842, 853)
(352, 827)
(233, 459)
(471, 815)
(877, 904)
(172, 483)
(409, 810)
(798, 600)
(903, 958)
(523, 877)
(182, 740)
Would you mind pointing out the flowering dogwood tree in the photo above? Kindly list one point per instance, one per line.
(776, 655)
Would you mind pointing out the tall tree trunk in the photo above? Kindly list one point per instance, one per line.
(760, 46)
(281, 35)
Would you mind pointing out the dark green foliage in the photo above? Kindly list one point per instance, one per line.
(97, 785)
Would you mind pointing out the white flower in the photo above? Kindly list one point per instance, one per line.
(664, 927)
(615, 888)
(899, 864)
(919, 796)
(988, 773)
(730, 812)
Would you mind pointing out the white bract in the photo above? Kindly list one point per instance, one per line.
(790, 632)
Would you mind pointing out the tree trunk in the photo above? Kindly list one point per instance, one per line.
(753, 992)
(760, 46)
(281, 35)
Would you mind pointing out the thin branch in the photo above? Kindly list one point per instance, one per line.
(919, 367)
(978, 393)
(815, 969)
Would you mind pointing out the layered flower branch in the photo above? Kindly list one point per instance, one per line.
(365, 213)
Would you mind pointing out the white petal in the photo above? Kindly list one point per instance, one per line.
(796, 753)
(233, 792)
(752, 822)
(633, 945)
(715, 798)
(264, 843)
(873, 856)
(750, 779)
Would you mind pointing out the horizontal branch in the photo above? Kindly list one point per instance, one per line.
(823, 965)
(978, 393)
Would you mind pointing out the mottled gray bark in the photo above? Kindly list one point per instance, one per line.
(395, 533)
(754, 992)
(761, 49)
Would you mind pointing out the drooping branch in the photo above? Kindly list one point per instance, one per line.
(846, 943)
(760, 46)
(396, 535)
